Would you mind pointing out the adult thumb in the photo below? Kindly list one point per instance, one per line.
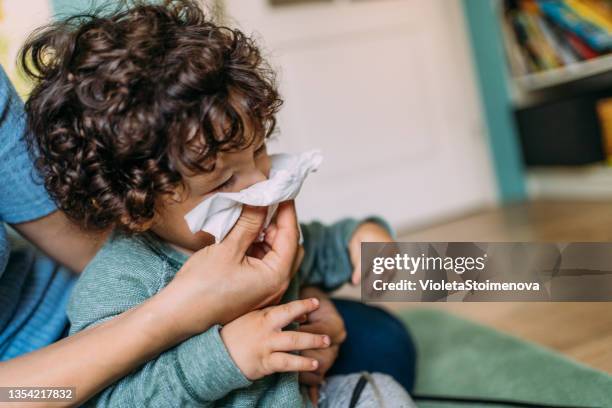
(246, 229)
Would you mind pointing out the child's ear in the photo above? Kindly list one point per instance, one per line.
(176, 196)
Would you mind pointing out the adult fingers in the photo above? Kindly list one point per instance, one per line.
(270, 234)
(310, 378)
(313, 394)
(301, 319)
(326, 357)
(285, 242)
(298, 341)
(297, 261)
(246, 230)
(356, 277)
(257, 250)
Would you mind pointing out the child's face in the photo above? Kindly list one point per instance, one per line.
(234, 171)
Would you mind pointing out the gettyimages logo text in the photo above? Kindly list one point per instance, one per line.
(480, 271)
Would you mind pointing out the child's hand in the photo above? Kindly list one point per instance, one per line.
(259, 347)
(324, 320)
(366, 232)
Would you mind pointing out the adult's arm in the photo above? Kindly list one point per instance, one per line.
(61, 240)
(93, 359)
(189, 305)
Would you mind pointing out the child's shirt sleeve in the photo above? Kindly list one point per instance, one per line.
(197, 372)
(327, 263)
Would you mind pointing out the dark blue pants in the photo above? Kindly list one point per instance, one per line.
(376, 341)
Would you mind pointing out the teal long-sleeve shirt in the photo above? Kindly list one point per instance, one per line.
(198, 372)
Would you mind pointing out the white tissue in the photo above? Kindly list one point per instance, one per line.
(218, 214)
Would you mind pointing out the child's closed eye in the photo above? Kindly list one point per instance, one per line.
(261, 149)
(229, 183)
(226, 184)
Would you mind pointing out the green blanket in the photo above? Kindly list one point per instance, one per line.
(463, 359)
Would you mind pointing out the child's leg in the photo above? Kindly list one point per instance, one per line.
(373, 329)
(363, 390)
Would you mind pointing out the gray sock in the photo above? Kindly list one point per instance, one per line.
(380, 391)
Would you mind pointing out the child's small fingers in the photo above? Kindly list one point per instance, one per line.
(283, 362)
(296, 341)
(280, 316)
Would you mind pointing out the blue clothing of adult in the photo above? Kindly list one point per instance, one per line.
(34, 290)
(376, 341)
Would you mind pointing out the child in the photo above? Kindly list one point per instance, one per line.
(137, 117)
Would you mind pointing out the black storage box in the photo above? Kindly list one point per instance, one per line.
(561, 132)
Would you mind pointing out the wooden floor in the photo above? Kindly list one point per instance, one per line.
(582, 331)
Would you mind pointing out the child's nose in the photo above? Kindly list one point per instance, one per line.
(248, 178)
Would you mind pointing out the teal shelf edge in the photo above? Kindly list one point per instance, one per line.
(488, 54)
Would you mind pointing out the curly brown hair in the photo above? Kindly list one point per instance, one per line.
(127, 102)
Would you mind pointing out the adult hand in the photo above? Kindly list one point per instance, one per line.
(326, 321)
(366, 232)
(221, 280)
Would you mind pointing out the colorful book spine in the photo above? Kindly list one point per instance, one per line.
(589, 12)
(520, 32)
(518, 60)
(596, 38)
(602, 7)
(580, 47)
(546, 54)
(565, 53)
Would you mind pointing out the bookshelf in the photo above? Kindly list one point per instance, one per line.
(589, 182)
(558, 76)
(545, 88)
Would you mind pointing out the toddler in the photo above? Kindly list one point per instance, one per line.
(137, 116)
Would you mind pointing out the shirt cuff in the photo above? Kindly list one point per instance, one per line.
(208, 369)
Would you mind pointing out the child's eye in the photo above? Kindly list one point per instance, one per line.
(226, 184)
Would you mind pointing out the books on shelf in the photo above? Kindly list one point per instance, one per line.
(541, 35)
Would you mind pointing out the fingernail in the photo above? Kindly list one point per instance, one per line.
(326, 340)
(315, 364)
(315, 301)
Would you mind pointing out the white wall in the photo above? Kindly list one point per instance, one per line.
(17, 20)
(386, 89)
